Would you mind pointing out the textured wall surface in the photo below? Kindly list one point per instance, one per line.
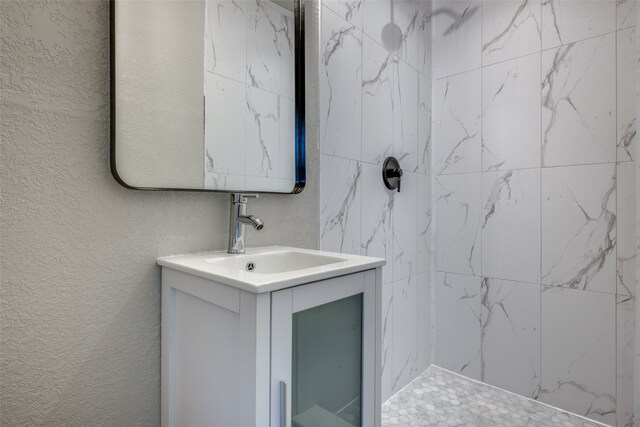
(80, 291)
(534, 153)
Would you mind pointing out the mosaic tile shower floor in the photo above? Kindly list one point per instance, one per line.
(441, 398)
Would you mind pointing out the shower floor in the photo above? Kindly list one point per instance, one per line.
(441, 398)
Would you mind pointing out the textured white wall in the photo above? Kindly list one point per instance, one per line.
(80, 291)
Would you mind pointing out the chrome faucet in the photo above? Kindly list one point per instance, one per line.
(237, 219)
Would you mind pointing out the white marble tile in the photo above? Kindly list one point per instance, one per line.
(579, 352)
(509, 249)
(425, 304)
(458, 216)
(627, 69)
(287, 54)
(425, 221)
(425, 145)
(225, 128)
(224, 181)
(567, 21)
(263, 133)
(387, 341)
(376, 14)
(511, 114)
(285, 185)
(458, 323)
(225, 38)
(626, 232)
(376, 219)
(457, 135)
(340, 87)
(407, 16)
(511, 336)
(340, 204)
(577, 130)
(405, 332)
(405, 115)
(405, 225)
(349, 10)
(625, 329)
(626, 13)
(377, 102)
(425, 38)
(457, 36)
(262, 183)
(579, 227)
(510, 29)
(264, 28)
(287, 150)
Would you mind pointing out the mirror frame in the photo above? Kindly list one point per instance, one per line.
(299, 106)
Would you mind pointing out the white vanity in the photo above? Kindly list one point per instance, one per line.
(277, 337)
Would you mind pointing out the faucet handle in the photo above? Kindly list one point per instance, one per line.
(242, 197)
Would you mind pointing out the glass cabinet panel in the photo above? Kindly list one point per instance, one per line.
(326, 381)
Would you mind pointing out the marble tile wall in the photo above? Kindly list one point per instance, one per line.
(375, 102)
(249, 76)
(629, 16)
(534, 146)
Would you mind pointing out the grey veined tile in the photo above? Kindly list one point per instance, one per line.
(579, 227)
(511, 336)
(626, 229)
(510, 29)
(511, 114)
(457, 29)
(441, 398)
(627, 69)
(625, 330)
(458, 236)
(377, 102)
(340, 204)
(405, 332)
(340, 83)
(567, 21)
(457, 323)
(377, 231)
(626, 13)
(387, 341)
(457, 110)
(579, 352)
(575, 129)
(509, 249)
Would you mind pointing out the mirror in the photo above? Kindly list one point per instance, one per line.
(208, 95)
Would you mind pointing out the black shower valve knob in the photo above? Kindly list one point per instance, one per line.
(392, 173)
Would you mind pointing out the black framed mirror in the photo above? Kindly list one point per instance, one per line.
(208, 95)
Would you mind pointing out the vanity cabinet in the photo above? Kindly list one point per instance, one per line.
(299, 356)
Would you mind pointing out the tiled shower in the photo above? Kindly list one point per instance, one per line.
(511, 248)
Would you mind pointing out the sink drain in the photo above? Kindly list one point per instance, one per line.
(250, 266)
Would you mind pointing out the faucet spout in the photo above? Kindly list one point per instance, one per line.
(256, 222)
(237, 219)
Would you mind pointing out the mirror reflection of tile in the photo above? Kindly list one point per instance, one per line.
(249, 90)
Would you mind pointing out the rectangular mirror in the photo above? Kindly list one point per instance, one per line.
(208, 95)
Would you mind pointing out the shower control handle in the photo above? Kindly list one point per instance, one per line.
(392, 174)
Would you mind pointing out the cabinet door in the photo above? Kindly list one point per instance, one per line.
(322, 353)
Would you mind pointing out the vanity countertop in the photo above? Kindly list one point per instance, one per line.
(271, 268)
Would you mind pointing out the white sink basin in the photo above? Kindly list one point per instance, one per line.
(275, 262)
(269, 269)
